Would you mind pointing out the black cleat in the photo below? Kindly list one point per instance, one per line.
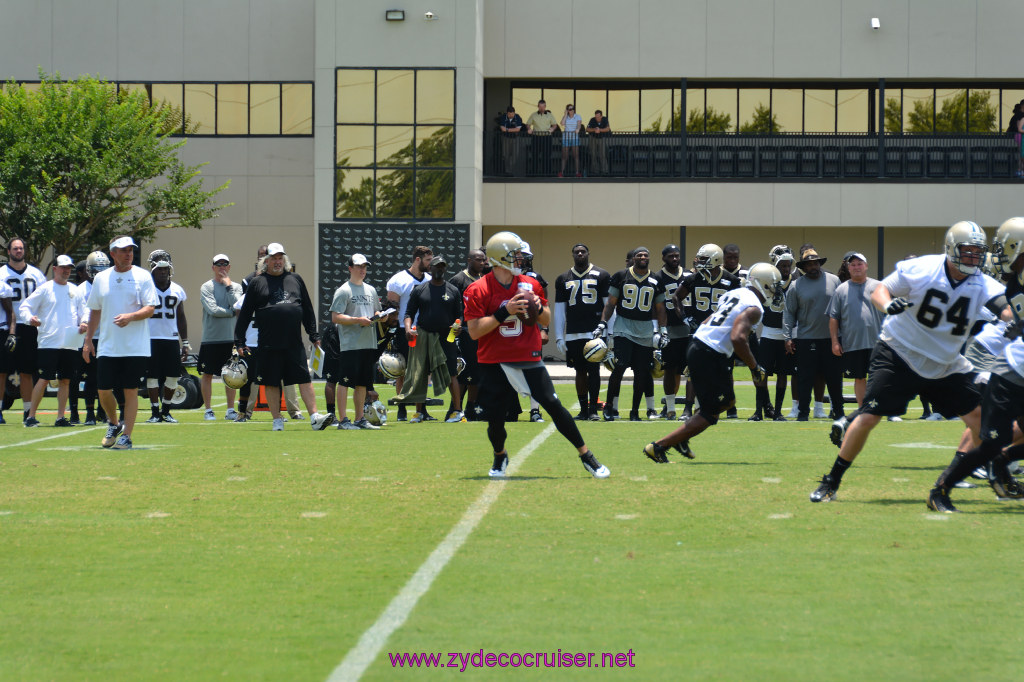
(634, 416)
(826, 491)
(684, 449)
(653, 415)
(155, 419)
(731, 414)
(582, 416)
(838, 431)
(938, 500)
(755, 418)
(610, 414)
(30, 422)
(769, 412)
(500, 466)
(1004, 484)
(593, 467)
(112, 433)
(62, 422)
(780, 418)
(656, 453)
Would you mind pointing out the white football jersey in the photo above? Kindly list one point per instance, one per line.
(929, 335)
(5, 292)
(22, 284)
(715, 330)
(164, 323)
(402, 283)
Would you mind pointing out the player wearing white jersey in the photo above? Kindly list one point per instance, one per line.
(167, 328)
(7, 340)
(22, 279)
(932, 303)
(709, 357)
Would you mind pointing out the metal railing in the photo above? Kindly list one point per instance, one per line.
(663, 156)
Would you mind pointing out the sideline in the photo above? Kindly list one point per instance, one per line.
(73, 432)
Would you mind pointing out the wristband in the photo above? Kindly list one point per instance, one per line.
(501, 314)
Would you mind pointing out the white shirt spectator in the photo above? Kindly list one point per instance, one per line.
(115, 293)
(59, 307)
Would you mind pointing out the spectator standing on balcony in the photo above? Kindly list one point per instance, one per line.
(1016, 128)
(510, 125)
(571, 124)
(540, 125)
(599, 130)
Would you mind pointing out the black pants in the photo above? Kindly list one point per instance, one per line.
(814, 356)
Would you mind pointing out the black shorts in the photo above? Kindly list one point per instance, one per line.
(856, 362)
(164, 359)
(574, 355)
(467, 351)
(711, 374)
(401, 343)
(213, 357)
(332, 360)
(499, 397)
(281, 366)
(356, 367)
(58, 363)
(673, 356)
(772, 356)
(23, 360)
(120, 372)
(892, 384)
(629, 353)
(6, 359)
(1002, 403)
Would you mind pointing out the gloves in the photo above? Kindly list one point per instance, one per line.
(691, 323)
(601, 331)
(759, 375)
(897, 306)
(10, 343)
(560, 344)
(661, 339)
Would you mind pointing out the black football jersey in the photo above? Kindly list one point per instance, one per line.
(462, 280)
(670, 283)
(773, 313)
(1015, 296)
(704, 295)
(583, 296)
(637, 294)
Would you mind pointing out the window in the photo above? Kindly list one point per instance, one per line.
(395, 144)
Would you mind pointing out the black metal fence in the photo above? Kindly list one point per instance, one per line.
(663, 156)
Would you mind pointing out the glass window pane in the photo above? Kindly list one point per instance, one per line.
(755, 110)
(852, 111)
(435, 194)
(394, 146)
(819, 111)
(1010, 99)
(589, 101)
(720, 111)
(624, 110)
(525, 101)
(264, 109)
(788, 109)
(169, 93)
(355, 146)
(655, 109)
(297, 109)
(557, 99)
(232, 109)
(950, 110)
(394, 194)
(355, 95)
(983, 111)
(918, 112)
(893, 110)
(394, 96)
(133, 87)
(200, 108)
(435, 96)
(695, 110)
(353, 193)
(435, 146)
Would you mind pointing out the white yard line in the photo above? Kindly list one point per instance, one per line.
(72, 431)
(370, 644)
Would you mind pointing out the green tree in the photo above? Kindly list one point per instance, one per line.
(762, 122)
(950, 118)
(711, 120)
(81, 163)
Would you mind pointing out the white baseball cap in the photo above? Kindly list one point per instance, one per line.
(358, 259)
(122, 242)
(65, 261)
(221, 256)
(273, 248)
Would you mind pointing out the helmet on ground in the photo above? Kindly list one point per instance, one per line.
(96, 262)
(1008, 243)
(235, 373)
(391, 365)
(657, 366)
(766, 280)
(962, 234)
(709, 257)
(595, 350)
(779, 253)
(504, 250)
(160, 259)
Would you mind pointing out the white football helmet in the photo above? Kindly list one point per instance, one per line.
(504, 250)
(1008, 243)
(609, 360)
(595, 350)
(709, 257)
(780, 253)
(96, 262)
(235, 373)
(961, 234)
(160, 259)
(391, 365)
(766, 280)
(460, 364)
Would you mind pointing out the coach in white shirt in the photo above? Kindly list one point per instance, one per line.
(57, 310)
(124, 297)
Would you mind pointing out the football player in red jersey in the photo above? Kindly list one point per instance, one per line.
(509, 350)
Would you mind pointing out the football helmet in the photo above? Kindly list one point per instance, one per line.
(504, 250)
(160, 259)
(391, 365)
(657, 366)
(709, 257)
(990, 267)
(595, 350)
(1008, 243)
(96, 262)
(779, 253)
(235, 373)
(961, 234)
(766, 280)
(609, 360)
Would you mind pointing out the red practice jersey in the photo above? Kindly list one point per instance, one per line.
(512, 341)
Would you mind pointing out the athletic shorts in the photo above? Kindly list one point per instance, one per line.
(980, 357)
(213, 356)
(57, 363)
(771, 355)
(892, 384)
(497, 395)
(629, 353)
(1002, 403)
(120, 372)
(467, 350)
(282, 366)
(357, 367)
(164, 359)
(711, 375)
(856, 362)
(6, 359)
(332, 360)
(24, 357)
(673, 356)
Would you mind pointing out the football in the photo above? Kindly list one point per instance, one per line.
(532, 313)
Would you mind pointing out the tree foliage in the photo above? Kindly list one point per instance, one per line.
(951, 117)
(81, 163)
(763, 121)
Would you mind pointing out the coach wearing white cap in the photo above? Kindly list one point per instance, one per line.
(854, 322)
(218, 296)
(122, 299)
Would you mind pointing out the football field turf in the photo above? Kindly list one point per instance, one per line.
(226, 551)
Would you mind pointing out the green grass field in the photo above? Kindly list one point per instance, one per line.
(226, 551)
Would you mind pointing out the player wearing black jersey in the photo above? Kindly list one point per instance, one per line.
(581, 293)
(673, 358)
(476, 266)
(527, 253)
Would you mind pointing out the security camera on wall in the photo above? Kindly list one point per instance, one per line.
(429, 16)
(876, 23)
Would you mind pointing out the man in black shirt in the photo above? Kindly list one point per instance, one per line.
(280, 303)
(673, 357)
(599, 130)
(510, 125)
(476, 267)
